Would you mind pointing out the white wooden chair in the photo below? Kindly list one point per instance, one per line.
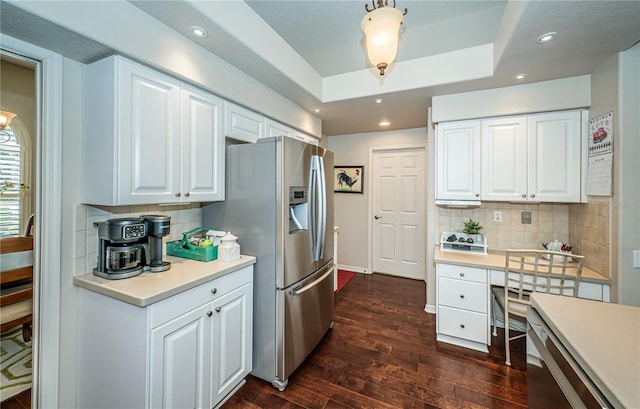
(528, 271)
(16, 284)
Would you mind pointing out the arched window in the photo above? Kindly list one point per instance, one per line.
(12, 185)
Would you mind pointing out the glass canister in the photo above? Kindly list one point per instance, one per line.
(229, 249)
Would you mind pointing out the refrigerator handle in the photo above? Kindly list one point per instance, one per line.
(322, 216)
(299, 291)
(318, 207)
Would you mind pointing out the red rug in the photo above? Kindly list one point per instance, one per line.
(343, 278)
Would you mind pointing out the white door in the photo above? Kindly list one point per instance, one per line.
(232, 341)
(458, 160)
(504, 159)
(554, 157)
(180, 355)
(399, 212)
(149, 142)
(202, 147)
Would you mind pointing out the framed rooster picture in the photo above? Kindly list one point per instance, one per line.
(348, 179)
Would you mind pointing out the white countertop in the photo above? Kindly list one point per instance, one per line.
(604, 338)
(148, 287)
(495, 261)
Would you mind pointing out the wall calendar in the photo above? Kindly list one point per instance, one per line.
(600, 173)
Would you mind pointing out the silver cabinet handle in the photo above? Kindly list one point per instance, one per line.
(533, 195)
(461, 295)
(187, 194)
(178, 194)
(209, 313)
(462, 326)
(218, 309)
(524, 195)
(477, 194)
(377, 217)
(214, 290)
(461, 274)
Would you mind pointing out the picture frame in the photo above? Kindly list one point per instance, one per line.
(348, 179)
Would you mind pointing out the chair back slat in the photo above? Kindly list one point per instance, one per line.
(529, 271)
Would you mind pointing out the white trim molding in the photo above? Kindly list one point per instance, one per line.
(48, 184)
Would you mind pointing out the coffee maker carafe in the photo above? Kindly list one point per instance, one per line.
(122, 250)
(157, 228)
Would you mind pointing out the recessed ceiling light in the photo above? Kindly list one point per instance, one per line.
(546, 37)
(519, 77)
(317, 110)
(384, 123)
(379, 100)
(198, 31)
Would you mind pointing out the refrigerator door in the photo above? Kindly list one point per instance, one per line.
(325, 244)
(298, 262)
(307, 311)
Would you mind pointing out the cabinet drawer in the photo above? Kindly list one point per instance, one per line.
(478, 275)
(463, 324)
(186, 301)
(467, 295)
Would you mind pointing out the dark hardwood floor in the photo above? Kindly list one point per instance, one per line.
(19, 401)
(382, 353)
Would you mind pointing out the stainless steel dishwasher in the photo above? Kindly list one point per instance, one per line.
(554, 378)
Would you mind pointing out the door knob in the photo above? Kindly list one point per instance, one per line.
(377, 217)
(187, 194)
(533, 195)
(178, 194)
(209, 313)
(218, 309)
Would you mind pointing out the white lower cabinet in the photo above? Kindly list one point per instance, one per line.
(462, 306)
(188, 351)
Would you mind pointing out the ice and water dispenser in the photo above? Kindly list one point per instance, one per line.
(298, 209)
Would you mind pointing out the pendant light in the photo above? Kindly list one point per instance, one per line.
(381, 27)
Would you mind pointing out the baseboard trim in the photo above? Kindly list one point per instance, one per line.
(353, 268)
(431, 309)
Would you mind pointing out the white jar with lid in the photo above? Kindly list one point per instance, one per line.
(229, 249)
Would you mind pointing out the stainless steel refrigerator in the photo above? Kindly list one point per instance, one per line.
(279, 202)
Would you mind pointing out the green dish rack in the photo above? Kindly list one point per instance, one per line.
(183, 248)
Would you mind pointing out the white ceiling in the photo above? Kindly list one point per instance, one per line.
(326, 42)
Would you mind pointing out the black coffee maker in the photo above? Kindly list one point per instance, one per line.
(157, 227)
(122, 248)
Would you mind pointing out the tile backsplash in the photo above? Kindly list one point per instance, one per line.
(548, 222)
(183, 218)
(583, 225)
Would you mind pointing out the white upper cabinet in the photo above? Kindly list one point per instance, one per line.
(504, 159)
(458, 160)
(554, 157)
(148, 138)
(534, 158)
(277, 129)
(527, 158)
(243, 124)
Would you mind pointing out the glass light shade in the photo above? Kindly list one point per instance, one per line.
(382, 28)
(5, 118)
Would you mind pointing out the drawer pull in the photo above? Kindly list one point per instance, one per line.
(209, 313)
(461, 295)
(218, 309)
(461, 274)
(214, 290)
(462, 326)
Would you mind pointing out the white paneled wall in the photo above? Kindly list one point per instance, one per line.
(183, 218)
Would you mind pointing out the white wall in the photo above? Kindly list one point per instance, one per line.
(351, 210)
(627, 181)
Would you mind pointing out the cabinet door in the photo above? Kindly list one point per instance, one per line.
(458, 161)
(554, 157)
(504, 159)
(232, 341)
(180, 358)
(242, 124)
(149, 136)
(277, 129)
(202, 147)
